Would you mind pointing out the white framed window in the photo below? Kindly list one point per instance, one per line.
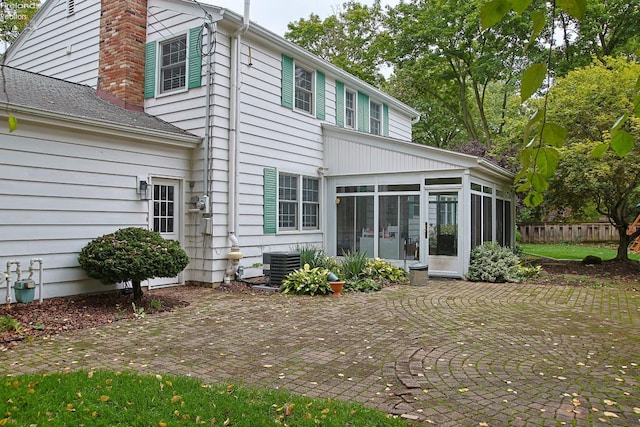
(375, 118)
(287, 202)
(350, 109)
(303, 94)
(173, 64)
(298, 197)
(310, 203)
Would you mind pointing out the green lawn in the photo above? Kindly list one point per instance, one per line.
(560, 251)
(105, 398)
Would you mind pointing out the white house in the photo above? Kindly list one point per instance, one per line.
(290, 149)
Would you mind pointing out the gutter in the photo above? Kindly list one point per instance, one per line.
(101, 127)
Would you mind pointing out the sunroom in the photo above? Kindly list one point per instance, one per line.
(408, 203)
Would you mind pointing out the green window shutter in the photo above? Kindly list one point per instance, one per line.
(363, 112)
(150, 70)
(385, 120)
(320, 95)
(339, 103)
(195, 57)
(270, 191)
(287, 81)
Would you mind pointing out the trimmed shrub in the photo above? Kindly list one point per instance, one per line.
(491, 262)
(132, 254)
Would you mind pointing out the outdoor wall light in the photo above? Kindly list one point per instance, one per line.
(143, 186)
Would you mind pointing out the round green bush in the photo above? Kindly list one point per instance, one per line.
(491, 262)
(132, 254)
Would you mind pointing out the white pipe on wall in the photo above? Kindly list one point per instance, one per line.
(41, 270)
(234, 118)
(8, 278)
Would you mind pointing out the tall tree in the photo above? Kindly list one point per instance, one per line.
(348, 39)
(453, 62)
(609, 28)
(587, 102)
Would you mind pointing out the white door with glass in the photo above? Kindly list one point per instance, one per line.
(165, 218)
(442, 232)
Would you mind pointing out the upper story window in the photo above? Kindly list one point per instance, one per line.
(375, 118)
(304, 89)
(350, 109)
(173, 64)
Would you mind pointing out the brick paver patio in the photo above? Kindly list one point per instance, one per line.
(450, 353)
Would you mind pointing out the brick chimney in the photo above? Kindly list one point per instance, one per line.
(123, 33)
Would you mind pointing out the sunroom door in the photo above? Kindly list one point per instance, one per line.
(165, 219)
(443, 233)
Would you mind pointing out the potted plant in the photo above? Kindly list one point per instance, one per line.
(336, 284)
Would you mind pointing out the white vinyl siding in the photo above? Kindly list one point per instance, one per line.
(61, 188)
(61, 46)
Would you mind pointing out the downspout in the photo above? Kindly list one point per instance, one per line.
(234, 118)
(207, 119)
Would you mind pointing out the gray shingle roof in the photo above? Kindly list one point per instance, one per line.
(31, 90)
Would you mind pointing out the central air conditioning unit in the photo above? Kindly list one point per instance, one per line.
(276, 265)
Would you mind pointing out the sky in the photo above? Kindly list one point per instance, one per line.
(274, 15)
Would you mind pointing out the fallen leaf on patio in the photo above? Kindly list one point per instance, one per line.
(620, 380)
(483, 424)
(610, 414)
(463, 390)
(576, 402)
(267, 366)
(609, 402)
(636, 411)
(562, 378)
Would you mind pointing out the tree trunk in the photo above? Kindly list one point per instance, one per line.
(137, 290)
(623, 244)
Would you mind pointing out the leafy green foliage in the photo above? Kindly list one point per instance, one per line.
(349, 39)
(306, 281)
(378, 269)
(588, 101)
(9, 324)
(103, 398)
(491, 262)
(361, 274)
(353, 264)
(603, 29)
(132, 254)
(365, 285)
(451, 67)
(315, 257)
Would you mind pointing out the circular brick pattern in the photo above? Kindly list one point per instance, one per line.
(451, 353)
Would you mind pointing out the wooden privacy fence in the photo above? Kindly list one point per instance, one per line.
(558, 233)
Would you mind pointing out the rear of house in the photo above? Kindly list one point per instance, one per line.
(294, 150)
